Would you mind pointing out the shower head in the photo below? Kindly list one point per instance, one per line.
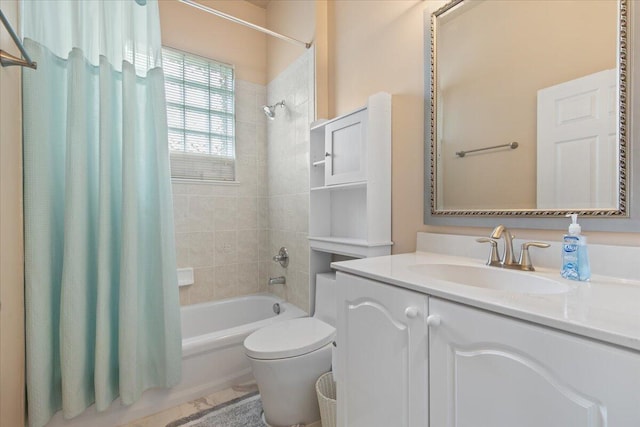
(270, 110)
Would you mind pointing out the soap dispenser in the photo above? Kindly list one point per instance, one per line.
(575, 259)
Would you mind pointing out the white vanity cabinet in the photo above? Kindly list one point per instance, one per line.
(406, 358)
(491, 370)
(382, 352)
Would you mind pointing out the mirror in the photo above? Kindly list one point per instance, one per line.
(528, 108)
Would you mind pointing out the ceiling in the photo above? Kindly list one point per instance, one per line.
(260, 3)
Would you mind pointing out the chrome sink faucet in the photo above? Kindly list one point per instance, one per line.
(508, 260)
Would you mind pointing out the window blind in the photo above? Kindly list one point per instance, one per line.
(200, 113)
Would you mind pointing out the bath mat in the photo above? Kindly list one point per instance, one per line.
(243, 411)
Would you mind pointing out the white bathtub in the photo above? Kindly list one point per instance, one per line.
(212, 357)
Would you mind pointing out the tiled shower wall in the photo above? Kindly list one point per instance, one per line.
(288, 177)
(220, 228)
(229, 233)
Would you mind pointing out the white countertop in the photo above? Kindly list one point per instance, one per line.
(606, 309)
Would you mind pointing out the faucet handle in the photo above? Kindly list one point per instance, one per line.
(494, 259)
(525, 258)
(282, 257)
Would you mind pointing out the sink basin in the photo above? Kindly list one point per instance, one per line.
(491, 278)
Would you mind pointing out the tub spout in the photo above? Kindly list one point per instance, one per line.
(280, 280)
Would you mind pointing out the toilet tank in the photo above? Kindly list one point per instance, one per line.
(326, 298)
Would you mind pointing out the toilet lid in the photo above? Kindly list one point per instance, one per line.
(288, 338)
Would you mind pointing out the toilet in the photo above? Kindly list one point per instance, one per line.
(288, 357)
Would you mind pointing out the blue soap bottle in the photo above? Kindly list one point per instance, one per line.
(575, 258)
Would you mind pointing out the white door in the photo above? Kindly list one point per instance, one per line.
(345, 149)
(488, 370)
(578, 144)
(382, 355)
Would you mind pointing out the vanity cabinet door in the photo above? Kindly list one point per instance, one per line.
(487, 370)
(346, 149)
(382, 353)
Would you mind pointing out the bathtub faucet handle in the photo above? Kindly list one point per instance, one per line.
(282, 257)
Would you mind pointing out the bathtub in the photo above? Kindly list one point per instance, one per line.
(212, 357)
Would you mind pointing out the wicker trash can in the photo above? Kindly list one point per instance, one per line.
(326, 391)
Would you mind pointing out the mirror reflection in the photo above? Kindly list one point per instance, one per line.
(526, 103)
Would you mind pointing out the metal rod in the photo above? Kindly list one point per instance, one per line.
(6, 59)
(512, 145)
(245, 23)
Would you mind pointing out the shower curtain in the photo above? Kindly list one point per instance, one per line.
(102, 307)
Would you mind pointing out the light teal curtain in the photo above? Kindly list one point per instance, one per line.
(102, 301)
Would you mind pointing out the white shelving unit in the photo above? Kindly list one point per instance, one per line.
(350, 186)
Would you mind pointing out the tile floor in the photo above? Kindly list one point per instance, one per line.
(163, 418)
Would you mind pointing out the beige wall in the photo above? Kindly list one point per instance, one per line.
(378, 46)
(323, 61)
(192, 30)
(295, 19)
(12, 400)
(258, 58)
(499, 103)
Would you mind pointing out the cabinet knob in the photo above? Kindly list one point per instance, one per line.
(411, 312)
(433, 320)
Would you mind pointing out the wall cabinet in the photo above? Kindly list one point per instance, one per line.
(350, 182)
(346, 149)
(484, 369)
(350, 186)
(382, 348)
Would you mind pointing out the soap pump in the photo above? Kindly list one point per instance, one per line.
(575, 258)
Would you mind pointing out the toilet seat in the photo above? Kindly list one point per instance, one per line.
(289, 338)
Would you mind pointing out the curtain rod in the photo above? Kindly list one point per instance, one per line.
(245, 23)
(6, 59)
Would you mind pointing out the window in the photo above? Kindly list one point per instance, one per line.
(200, 113)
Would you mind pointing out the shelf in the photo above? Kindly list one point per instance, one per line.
(350, 247)
(348, 186)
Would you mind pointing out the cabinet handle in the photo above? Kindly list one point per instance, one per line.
(411, 312)
(433, 320)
